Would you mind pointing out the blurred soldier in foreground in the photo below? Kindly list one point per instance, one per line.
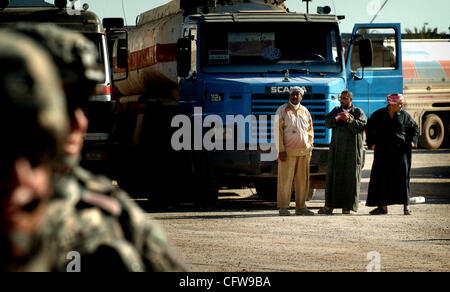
(33, 125)
(88, 215)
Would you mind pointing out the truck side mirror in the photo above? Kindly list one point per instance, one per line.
(61, 4)
(117, 37)
(184, 56)
(113, 23)
(122, 53)
(365, 53)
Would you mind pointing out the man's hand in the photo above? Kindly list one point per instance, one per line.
(282, 156)
(345, 117)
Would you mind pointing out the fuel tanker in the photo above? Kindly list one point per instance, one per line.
(426, 73)
(198, 69)
(153, 43)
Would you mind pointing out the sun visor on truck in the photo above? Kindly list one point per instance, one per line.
(264, 17)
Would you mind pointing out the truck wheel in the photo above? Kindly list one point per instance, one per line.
(204, 182)
(267, 191)
(433, 132)
(448, 133)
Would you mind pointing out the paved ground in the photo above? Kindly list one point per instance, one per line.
(245, 234)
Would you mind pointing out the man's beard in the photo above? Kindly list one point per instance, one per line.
(296, 106)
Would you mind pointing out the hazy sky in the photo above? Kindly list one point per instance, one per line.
(410, 13)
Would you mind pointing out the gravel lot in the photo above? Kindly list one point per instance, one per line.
(244, 234)
(261, 241)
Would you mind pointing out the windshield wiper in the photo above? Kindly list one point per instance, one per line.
(319, 73)
(303, 70)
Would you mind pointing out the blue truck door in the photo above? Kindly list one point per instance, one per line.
(385, 76)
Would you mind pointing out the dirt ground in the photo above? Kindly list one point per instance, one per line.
(244, 234)
(262, 241)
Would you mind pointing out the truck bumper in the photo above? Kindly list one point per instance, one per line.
(246, 167)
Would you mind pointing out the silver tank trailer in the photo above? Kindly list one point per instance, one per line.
(153, 45)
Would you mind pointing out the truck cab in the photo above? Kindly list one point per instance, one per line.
(244, 63)
(100, 109)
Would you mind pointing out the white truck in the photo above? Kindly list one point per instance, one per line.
(101, 107)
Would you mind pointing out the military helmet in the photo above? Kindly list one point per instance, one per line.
(75, 56)
(33, 119)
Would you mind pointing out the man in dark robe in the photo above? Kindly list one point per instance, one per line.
(391, 133)
(346, 156)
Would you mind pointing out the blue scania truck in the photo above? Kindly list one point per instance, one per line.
(239, 58)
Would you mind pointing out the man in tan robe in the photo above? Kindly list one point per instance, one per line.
(295, 144)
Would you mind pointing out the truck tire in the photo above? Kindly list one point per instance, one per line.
(201, 183)
(433, 132)
(448, 134)
(267, 191)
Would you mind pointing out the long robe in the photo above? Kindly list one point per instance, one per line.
(390, 175)
(345, 160)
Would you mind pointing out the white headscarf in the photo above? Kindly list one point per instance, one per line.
(302, 90)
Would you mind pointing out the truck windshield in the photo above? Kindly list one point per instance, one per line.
(270, 47)
(31, 3)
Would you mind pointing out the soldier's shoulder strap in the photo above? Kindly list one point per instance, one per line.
(95, 183)
(97, 192)
(101, 201)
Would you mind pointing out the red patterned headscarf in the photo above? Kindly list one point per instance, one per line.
(395, 98)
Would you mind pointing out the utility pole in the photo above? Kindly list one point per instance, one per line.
(381, 8)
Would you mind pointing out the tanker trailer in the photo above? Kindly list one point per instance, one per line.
(153, 44)
(150, 97)
(426, 73)
(219, 70)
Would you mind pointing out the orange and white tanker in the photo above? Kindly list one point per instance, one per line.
(426, 75)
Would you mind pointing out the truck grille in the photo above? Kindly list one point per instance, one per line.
(263, 104)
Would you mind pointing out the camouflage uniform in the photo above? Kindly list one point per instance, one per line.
(34, 124)
(88, 214)
(91, 216)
